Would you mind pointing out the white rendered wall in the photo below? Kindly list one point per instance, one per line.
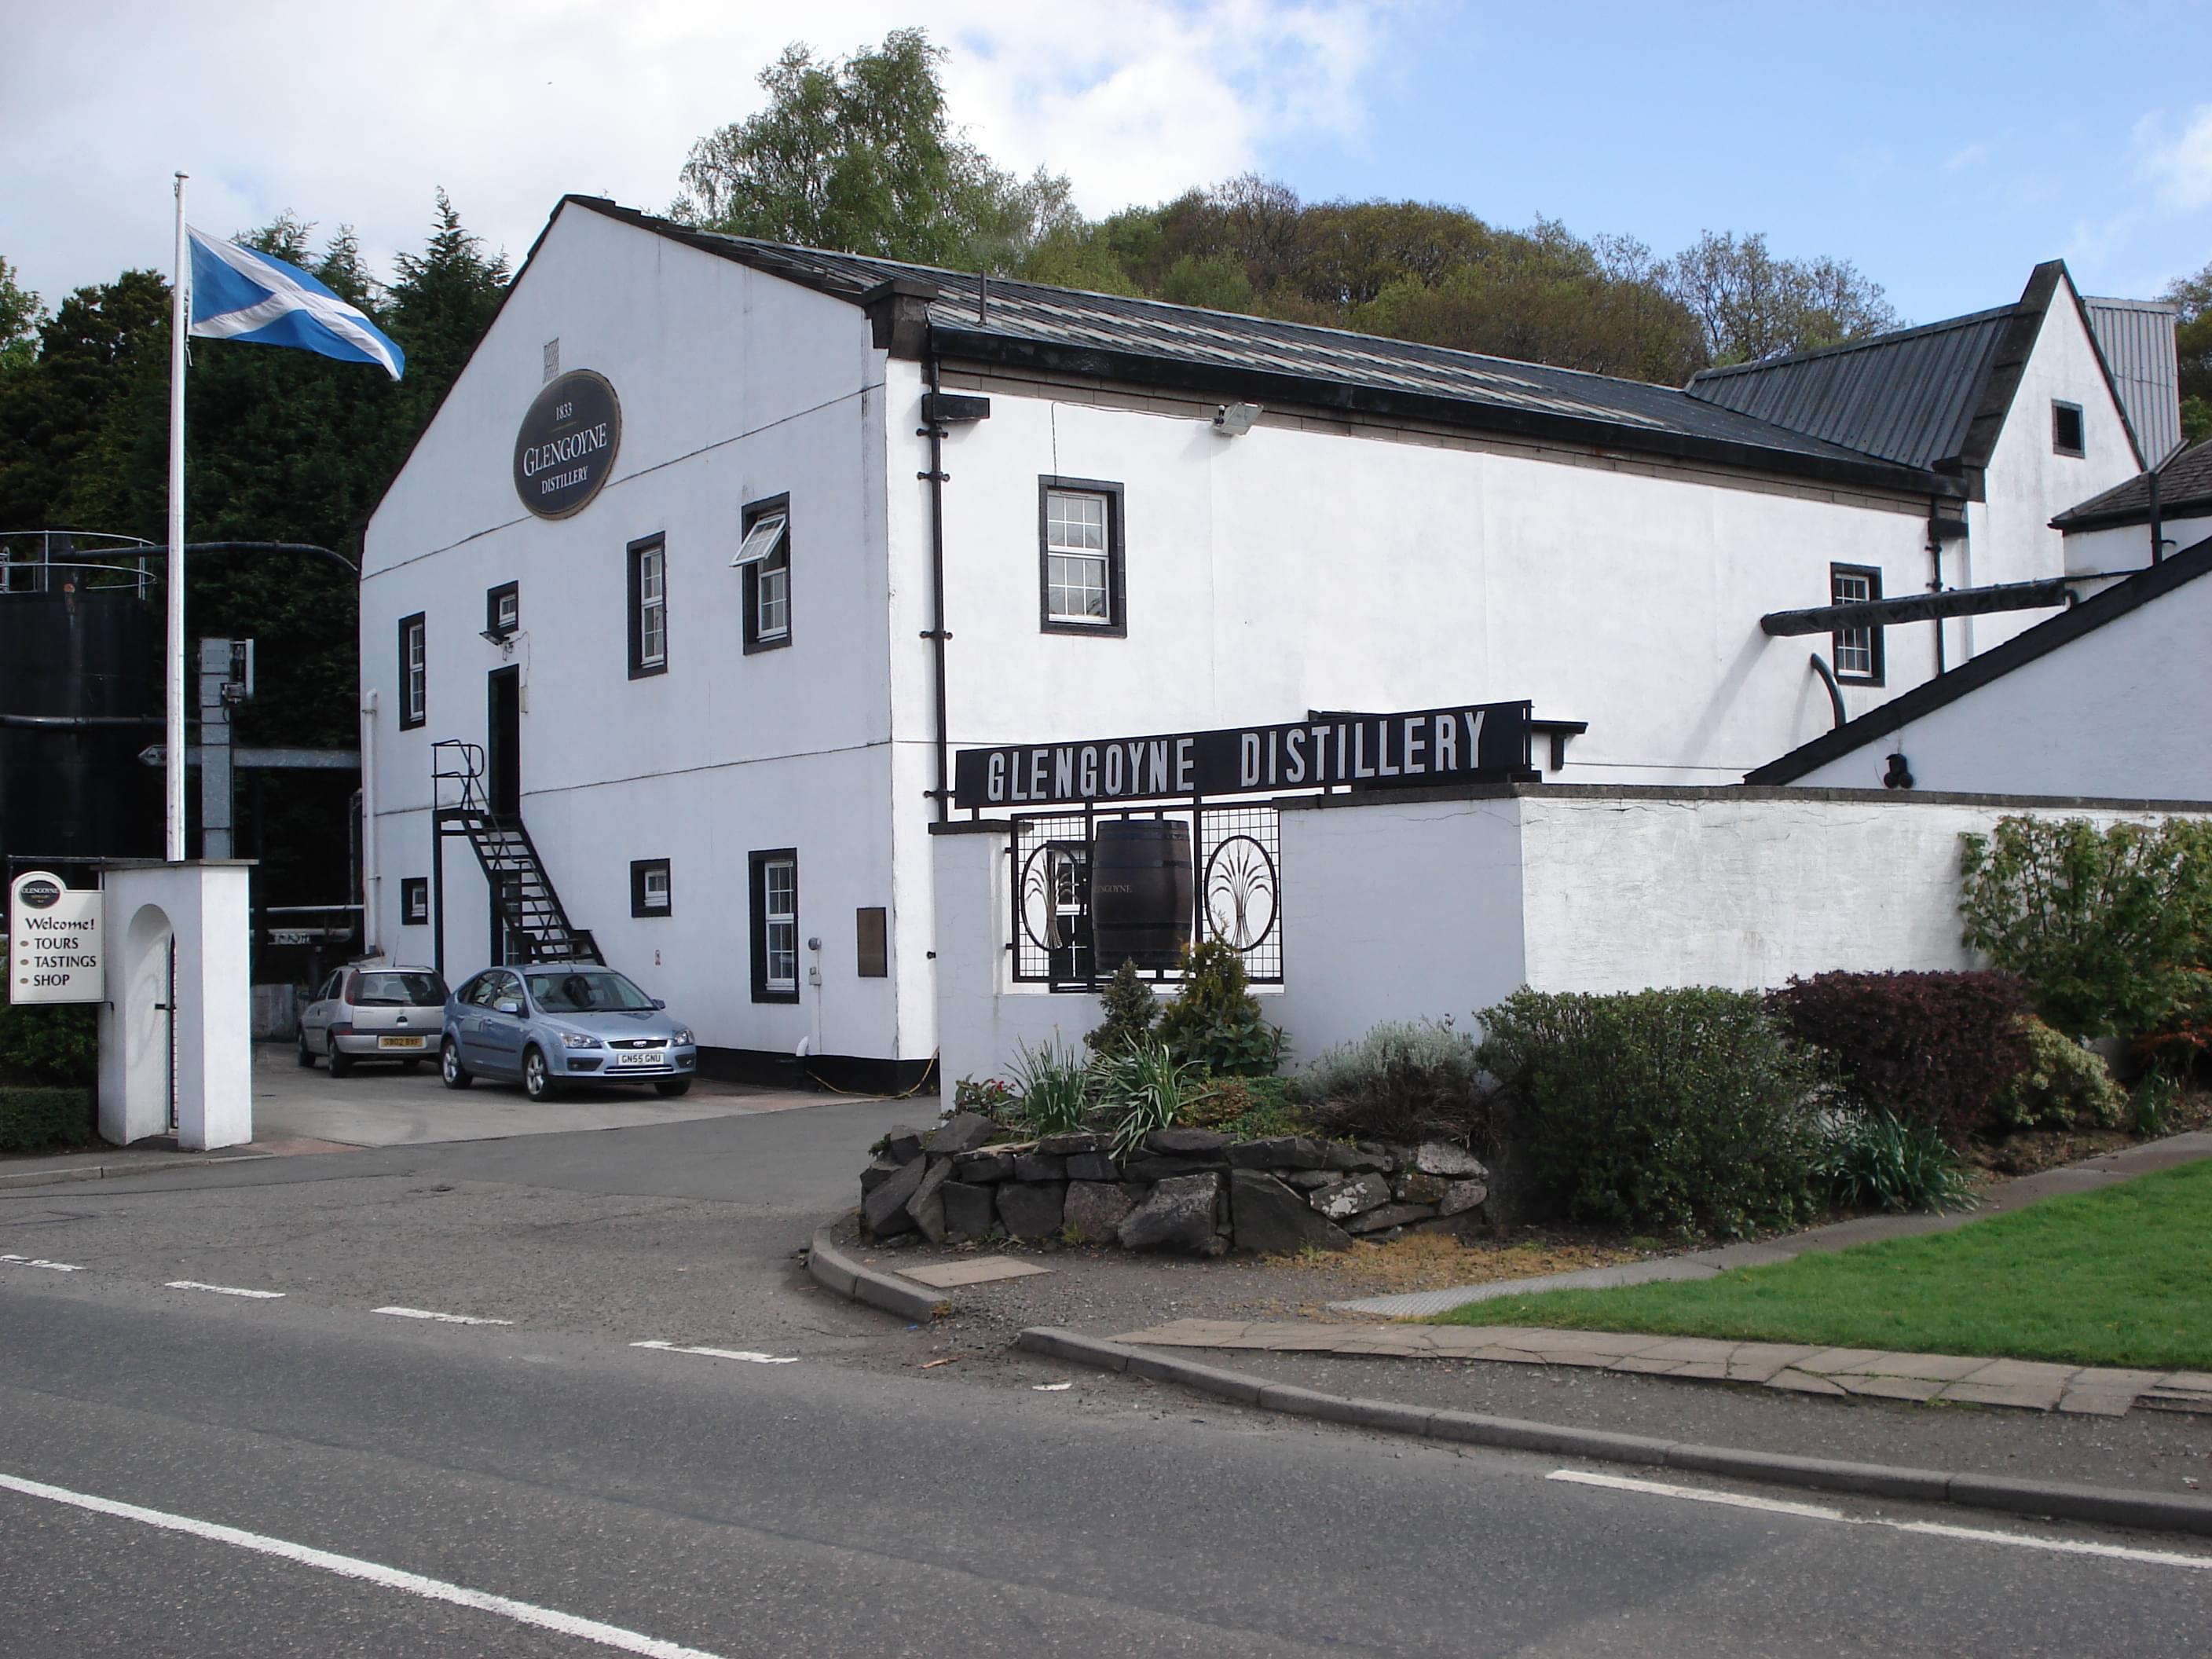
(206, 1032)
(2123, 712)
(2127, 547)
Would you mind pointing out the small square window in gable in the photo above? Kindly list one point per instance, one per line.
(2066, 434)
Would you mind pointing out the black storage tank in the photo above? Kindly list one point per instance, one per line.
(1140, 893)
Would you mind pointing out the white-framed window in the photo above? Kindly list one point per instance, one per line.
(648, 607)
(413, 900)
(1079, 554)
(764, 558)
(414, 670)
(649, 887)
(1858, 651)
(775, 926)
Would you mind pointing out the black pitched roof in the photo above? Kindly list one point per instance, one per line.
(1149, 342)
(2070, 625)
(2184, 487)
(1932, 397)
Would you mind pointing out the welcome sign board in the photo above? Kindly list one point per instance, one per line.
(56, 944)
(1457, 744)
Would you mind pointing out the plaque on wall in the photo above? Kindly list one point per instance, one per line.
(566, 449)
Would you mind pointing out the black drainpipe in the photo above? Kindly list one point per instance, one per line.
(1935, 574)
(2157, 529)
(935, 632)
(1828, 679)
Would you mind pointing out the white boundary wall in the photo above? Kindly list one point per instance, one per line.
(1432, 904)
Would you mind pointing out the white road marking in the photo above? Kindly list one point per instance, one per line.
(1928, 1529)
(724, 1353)
(222, 1289)
(1049, 1387)
(442, 1318)
(40, 1261)
(348, 1567)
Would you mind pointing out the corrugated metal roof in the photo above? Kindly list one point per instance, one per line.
(2137, 337)
(1909, 397)
(1071, 325)
(2185, 484)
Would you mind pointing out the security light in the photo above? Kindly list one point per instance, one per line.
(1234, 420)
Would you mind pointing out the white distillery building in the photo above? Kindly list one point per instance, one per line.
(717, 551)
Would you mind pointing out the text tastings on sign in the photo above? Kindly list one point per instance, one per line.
(1436, 745)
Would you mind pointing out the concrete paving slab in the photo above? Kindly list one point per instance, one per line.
(2022, 1374)
(1838, 1359)
(1797, 1381)
(1933, 1367)
(2096, 1402)
(1890, 1388)
(984, 1270)
(2021, 1397)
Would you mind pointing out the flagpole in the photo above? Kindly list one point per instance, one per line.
(173, 758)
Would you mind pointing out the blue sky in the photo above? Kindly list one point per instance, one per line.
(1944, 151)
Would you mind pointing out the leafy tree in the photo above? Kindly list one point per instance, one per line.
(1750, 305)
(2192, 297)
(20, 317)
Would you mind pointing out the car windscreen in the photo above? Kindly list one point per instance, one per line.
(572, 991)
(400, 991)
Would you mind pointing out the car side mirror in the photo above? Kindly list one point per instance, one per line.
(508, 1006)
(658, 1003)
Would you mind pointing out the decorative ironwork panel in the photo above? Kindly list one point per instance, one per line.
(1239, 885)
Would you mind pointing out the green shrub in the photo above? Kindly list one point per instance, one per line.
(1143, 1087)
(2150, 1106)
(1871, 1161)
(2062, 1083)
(2105, 928)
(1130, 1007)
(1403, 1081)
(1056, 1088)
(1933, 1051)
(42, 1119)
(2182, 1041)
(1247, 1108)
(1214, 1021)
(57, 1043)
(1682, 1110)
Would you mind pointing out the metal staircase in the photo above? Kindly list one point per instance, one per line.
(522, 896)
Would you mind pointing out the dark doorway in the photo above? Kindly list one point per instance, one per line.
(503, 743)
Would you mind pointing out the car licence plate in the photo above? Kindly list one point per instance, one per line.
(641, 1057)
(399, 1043)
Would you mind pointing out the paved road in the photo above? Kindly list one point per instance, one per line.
(845, 1503)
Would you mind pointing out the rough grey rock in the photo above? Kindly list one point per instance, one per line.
(1036, 1166)
(1076, 1141)
(1415, 1187)
(884, 1209)
(927, 1206)
(1367, 1155)
(1093, 1166)
(1179, 1215)
(1350, 1198)
(978, 1168)
(1208, 1143)
(1441, 1158)
(1462, 1195)
(1031, 1209)
(1269, 1217)
(903, 1144)
(1292, 1152)
(1390, 1215)
(877, 1173)
(969, 1210)
(1142, 1168)
(1136, 1191)
(1096, 1210)
(1307, 1180)
(962, 1132)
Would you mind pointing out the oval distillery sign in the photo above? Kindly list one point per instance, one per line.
(566, 448)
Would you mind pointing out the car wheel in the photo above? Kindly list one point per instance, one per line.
(450, 1072)
(306, 1055)
(341, 1061)
(538, 1077)
(669, 1087)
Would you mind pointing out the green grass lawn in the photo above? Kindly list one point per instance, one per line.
(2121, 1277)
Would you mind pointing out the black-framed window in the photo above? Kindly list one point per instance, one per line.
(649, 606)
(774, 883)
(1857, 650)
(503, 609)
(2066, 434)
(649, 893)
(413, 670)
(764, 568)
(1080, 557)
(415, 901)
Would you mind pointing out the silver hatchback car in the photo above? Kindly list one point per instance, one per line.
(549, 1024)
(373, 1012)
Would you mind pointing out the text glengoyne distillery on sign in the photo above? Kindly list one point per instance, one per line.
(1430, 745)
(566, 448)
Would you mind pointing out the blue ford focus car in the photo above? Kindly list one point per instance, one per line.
(550, 1024)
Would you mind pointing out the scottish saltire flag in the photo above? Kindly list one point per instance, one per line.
(240, 295)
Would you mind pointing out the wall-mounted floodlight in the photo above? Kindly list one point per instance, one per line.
(1234, 420)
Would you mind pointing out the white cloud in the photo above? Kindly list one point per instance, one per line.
(2179, 164)
(1966, 156)
(358, 115)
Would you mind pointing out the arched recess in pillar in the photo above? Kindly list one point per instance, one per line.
(140, 994)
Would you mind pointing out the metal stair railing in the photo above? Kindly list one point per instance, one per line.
(522, 893)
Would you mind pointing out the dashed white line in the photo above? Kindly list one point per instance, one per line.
(222, 1289)
(40, 1261)
(347, 1566)
(1927, 1528)
(442, 1318)
(746, 1354)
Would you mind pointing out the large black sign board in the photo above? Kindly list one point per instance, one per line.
(1427, 746)
(566, 448)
